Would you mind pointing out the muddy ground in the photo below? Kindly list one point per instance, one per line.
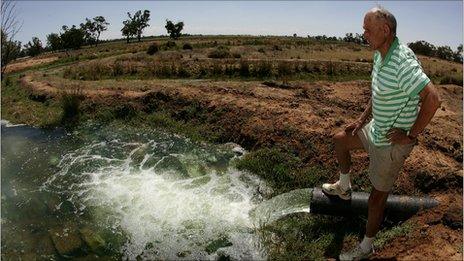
(303, 117)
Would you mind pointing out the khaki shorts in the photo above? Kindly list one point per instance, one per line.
(384, 162)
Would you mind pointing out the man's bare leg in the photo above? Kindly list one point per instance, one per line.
(376, 205)
(344, 143)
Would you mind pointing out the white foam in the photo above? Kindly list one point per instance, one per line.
(9, 124)
(172, 215)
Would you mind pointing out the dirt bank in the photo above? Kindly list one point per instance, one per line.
(24, 64)
(303, 117)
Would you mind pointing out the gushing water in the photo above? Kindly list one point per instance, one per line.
(168, 197)
(136, 193)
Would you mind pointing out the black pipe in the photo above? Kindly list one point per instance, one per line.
(397, 207)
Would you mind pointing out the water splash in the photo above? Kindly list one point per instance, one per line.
(9, 124)
(170, 198)
(295, 201)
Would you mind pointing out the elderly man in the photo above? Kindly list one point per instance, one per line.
(398, 86)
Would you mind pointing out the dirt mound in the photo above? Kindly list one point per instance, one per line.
(27, 63)
(437, 234)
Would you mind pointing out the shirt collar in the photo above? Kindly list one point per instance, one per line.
(390, 50)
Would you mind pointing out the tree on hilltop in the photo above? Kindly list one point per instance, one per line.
(93, 28)
(9, 27)
(458, 54)
(174, 29)
(89, 31)
(135, 25)
(54, 42)
(100, 25)
(34, 48)
(72, 38)
(128, 30)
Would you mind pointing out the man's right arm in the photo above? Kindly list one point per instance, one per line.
(359, 123)
(367, 112)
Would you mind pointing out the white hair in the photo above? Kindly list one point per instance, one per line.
(379, 12)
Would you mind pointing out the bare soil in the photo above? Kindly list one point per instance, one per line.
(24, 64)
(304, 117)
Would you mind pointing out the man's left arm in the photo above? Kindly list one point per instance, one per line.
(430, 102)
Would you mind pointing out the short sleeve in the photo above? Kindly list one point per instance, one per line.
(411, 78)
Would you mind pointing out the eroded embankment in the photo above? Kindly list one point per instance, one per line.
(300, 118)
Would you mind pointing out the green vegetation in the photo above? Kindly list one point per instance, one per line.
(187, 46)
(19, 106)
(281, 169)
(174, 29)
(135, 25)
(10, 50)
(147, 67)
(152, 49)
(442, 52)
(386, 235)
(93, 28)
(307, 237)
(70, 105)
(220, 53)
(33, 48)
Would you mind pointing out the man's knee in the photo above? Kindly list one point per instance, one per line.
(339, 138)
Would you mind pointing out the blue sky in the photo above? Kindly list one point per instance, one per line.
(437, 22)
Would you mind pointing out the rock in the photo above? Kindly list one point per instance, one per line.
(93, 257)
(172, 168)
(45, 246)
(53, 204)
(66, 239)
(93, 240)
(239, 150)
(216, 244)
(183, 253)
(138, 156)
(150, 162)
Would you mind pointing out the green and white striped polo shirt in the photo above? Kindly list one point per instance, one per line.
(396, 83)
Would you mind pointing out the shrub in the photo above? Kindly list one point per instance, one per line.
(230, 70)
(118, 68)
(70, 105)
(152, 49)
(170, 44)
(220, 53)
(182, 72)
(263, 69)
(244, 68)
(236, 55)
(216, 70)
(125, 111)
(284, 69)
(187, 46)
(164, 70)
(273, 165)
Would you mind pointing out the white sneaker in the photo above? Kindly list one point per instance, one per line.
(335, 190)
(356, 254)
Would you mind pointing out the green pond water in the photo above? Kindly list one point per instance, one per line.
(130, 194)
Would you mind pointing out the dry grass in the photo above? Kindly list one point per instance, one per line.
(307, 59)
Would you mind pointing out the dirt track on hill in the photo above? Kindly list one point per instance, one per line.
(20, 65)
(304, 117)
